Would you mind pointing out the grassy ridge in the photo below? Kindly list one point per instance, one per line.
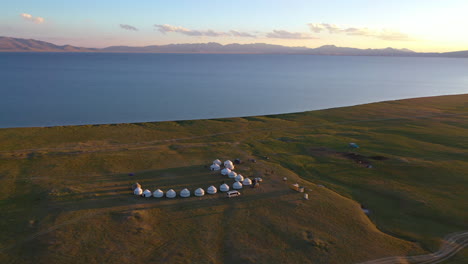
(65, 190)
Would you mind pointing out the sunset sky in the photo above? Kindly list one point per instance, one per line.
(420, 25)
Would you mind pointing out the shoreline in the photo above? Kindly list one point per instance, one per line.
(231, 117)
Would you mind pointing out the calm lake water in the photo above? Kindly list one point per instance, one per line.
(47, 89)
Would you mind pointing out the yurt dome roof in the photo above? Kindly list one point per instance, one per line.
(232, 174)
(185, 193)
(147, 193)
(171, 194)
(237, 185)
(239, 178)
(217, 161)
(227, 162)
(212, 190)
(225, 171)
(215, 167)
(136, 185)
(224, 187)
(138, 191)
(247, 181)
(158, 193)
(199, 192)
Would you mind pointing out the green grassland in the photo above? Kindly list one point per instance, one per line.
(65, 192)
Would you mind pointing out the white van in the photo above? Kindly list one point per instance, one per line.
(232, 194)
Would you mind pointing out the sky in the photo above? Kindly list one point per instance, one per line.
(419, 25)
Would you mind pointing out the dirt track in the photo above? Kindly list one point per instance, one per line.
(450, 246)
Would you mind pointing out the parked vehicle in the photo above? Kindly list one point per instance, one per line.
(232, 194)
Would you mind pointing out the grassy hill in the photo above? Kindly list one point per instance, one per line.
(65, 192)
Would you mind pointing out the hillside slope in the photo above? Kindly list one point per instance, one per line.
(65, 191)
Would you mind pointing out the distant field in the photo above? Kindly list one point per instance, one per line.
(65, 193)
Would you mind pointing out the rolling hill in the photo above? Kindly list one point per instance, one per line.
(65, 191)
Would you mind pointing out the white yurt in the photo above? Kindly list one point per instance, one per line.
(212, 190)
(232, 174)
(171, 194)
(247, 182)
(239, 178)
(147, 193)
(158, 193)
(199, 192)
(185, 193)
(138, 191)
(136, 185)
(237, 185)
(217, 161)
(224, 187)
(228, 164)
(215, 167)
(225, 171)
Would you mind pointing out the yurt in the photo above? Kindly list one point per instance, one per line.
(199, 192)
(224, 187)
(232, 174)
(185, 193)
(217, 161)
(225, 171)
(237, 185)
(215, 167)
(228, 164)
(138, 191)
(147, 193)
(212, 190)
(239, 178)
(158, 193)
(171, 194)
(136, 185)
(247, 182)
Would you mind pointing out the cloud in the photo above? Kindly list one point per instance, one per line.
(383, 34)
(29, 17)
(189, 32)
(236, 33)
(128, 27)
(283, 34)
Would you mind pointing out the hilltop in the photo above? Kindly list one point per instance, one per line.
(66, 197)
(29, 45)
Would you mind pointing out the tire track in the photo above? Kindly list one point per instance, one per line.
(451, 245)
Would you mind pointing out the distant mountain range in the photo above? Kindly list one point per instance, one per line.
(8, 44)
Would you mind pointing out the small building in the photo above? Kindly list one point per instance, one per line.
(228, 164)
(239, 178)
(232, 174)
(353, 145)
(136, 185)
(185, 193)
(215, 167)
(212, 190)
(138, 191)
(158, 193)
(247, 182)
(224, 187)
(147, 193)
(171, 194)
(237, 161)
(225, 171)
(237, 185)
(217, 162)
(199, 192)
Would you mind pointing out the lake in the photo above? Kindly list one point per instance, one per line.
(48, 89)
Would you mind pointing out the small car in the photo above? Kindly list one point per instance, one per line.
(232, 194)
